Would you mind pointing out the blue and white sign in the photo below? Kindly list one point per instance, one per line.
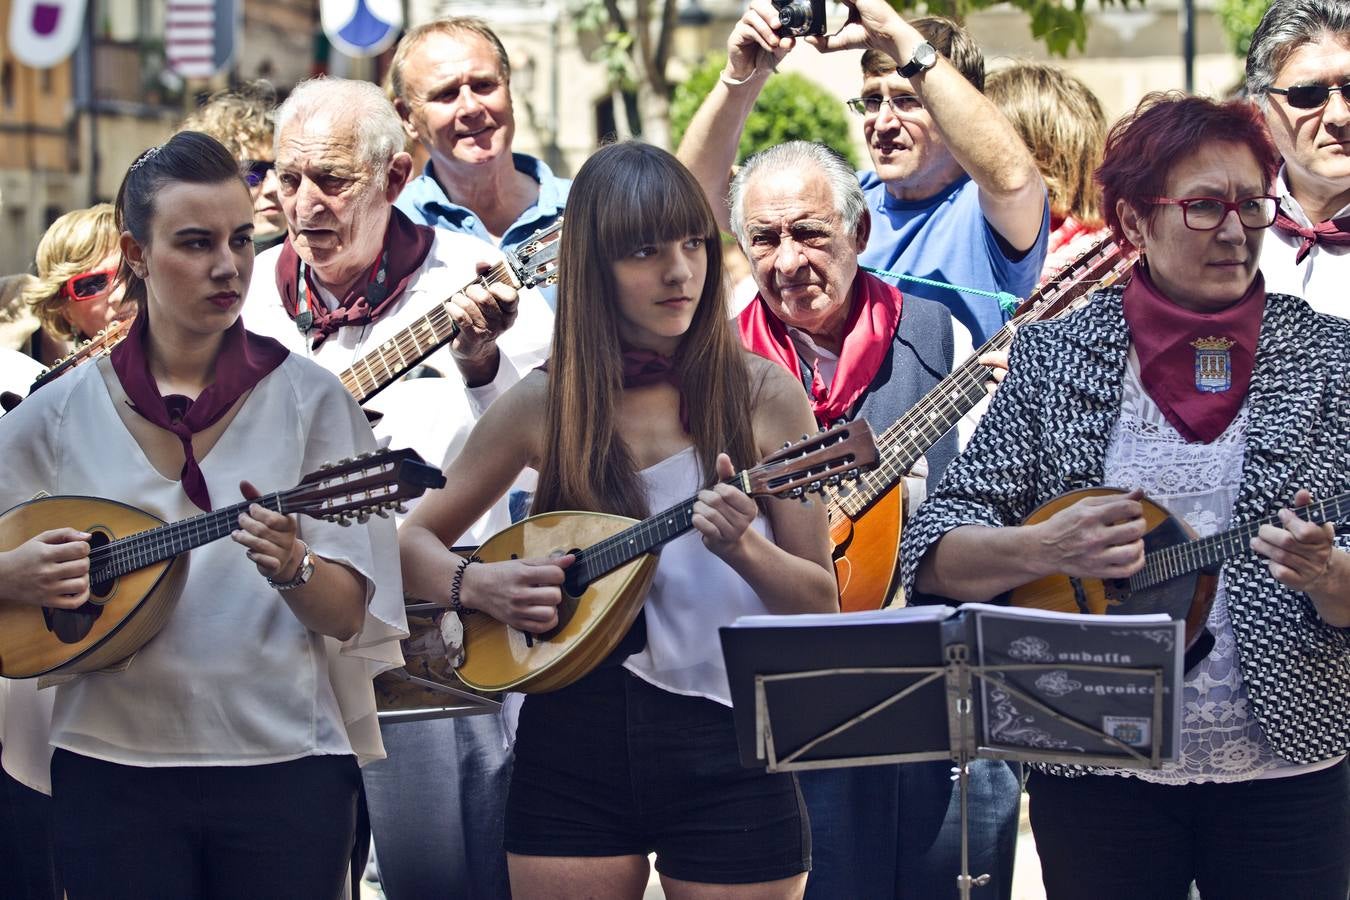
(361, 27)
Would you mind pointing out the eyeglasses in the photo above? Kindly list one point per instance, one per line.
(1310, 96)
(89, 285)
(1208, 213)
(255, 170)
(899, 103)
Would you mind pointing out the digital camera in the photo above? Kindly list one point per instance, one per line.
(800, 18)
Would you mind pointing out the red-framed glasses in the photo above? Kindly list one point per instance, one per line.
(1208, 213)
(89, 285)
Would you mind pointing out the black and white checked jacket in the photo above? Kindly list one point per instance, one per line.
(1046, 432)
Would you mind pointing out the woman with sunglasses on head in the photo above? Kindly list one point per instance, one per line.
(241, 119)
(1227, 405)
(229, 744)
(76, 294)
(647, 399)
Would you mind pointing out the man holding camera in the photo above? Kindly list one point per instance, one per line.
(954, 194)
(955, 197)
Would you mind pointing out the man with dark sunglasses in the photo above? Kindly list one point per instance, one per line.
(1298, 72)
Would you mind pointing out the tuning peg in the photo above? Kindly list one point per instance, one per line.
(363, 517)
(344, 521)
(382, 512)
(367, 455)
(806, 437)
(325, 466)
(344, 461)
(796, 493)
(400, 509)
(851, 475)
(832, 481)
(814, 487)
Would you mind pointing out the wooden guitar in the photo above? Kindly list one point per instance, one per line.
(866, 517)
(1180, 571)
(137, 562)
(99, 345)
(608, 581)
(533, 263)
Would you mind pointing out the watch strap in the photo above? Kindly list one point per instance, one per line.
(302, 574)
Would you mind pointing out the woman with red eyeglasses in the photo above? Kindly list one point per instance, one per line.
(1229, 405)
(76, 294)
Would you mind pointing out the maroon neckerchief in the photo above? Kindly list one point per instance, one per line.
(406, 246)
(868, 333)
(644, 367)
(1333, 231)
(1164, 337)
(244, 360)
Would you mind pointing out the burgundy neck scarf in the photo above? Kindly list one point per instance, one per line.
(406, 246)
(1196, 366)
(868, 332)
(1335, 232)
(244, 360)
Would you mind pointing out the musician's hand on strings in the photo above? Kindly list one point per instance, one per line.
(521, 593)
(269, 538)
(51, 569)
(482, 313)
(997, 362)
(1097, 537)
(1297, 552)
(722, 513)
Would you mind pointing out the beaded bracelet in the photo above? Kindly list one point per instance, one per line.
(457, 605)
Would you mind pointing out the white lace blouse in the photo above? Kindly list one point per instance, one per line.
(1221, 740)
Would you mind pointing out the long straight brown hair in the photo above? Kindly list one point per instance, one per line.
(628, 195)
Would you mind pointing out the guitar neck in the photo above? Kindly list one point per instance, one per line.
(605, 556)
(136, 551)
(1203, 553)
(389, 361)
(923, 425)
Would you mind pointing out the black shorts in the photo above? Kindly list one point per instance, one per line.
(612, 766)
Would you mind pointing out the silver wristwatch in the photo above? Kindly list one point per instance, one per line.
(302, 575)
(923, 59)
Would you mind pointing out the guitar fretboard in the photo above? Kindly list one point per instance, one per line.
(910, 436)
(136, 551)
(382, 366)
(1190, 556)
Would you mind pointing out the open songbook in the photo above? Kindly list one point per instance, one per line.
(816, 691)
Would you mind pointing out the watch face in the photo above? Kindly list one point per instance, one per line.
(925, 55)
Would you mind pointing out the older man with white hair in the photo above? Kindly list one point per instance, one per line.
(1298, 69)
(353, 272)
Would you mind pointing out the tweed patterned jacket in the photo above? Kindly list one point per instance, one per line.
(1046, 432)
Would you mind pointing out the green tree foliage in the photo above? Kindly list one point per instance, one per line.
(1059, 24)
(1239, 19)
(791, 107)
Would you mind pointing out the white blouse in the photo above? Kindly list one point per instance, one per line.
(17, 371)
(233, 678)
(1221, 740)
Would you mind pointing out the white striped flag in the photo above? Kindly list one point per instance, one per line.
(199, 36)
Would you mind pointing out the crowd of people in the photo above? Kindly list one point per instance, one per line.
(263, 263)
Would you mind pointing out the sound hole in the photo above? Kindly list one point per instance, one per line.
(572, 589)
(72, 625)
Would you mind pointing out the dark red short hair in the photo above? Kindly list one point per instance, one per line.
(1164, 129)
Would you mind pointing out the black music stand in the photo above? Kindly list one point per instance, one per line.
(795, 710)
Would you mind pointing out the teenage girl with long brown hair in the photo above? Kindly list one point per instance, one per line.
(647, 398)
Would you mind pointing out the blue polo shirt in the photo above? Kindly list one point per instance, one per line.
(426, 203)
(947, 238)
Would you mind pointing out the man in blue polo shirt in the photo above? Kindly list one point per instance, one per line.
(452, 88)
(954, 194)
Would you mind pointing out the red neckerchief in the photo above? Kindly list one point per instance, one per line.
(1165, 337)
(868, 332)
(644, 367)
(244, 360)
(406, 246)
(1333, 231)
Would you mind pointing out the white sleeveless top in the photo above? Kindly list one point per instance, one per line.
(693, 594)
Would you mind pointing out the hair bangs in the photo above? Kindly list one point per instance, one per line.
(651, 203)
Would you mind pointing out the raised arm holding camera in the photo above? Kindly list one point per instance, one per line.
(933, 138)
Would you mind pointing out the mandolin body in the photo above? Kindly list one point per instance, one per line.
(498, 658)
(1187, 597)
(867, 553)
(122, 614)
